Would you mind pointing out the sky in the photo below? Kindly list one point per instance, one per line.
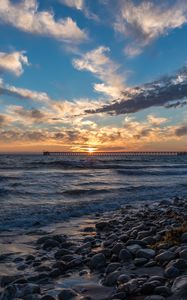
(106, 75)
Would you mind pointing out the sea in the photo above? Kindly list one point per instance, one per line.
(39, 190)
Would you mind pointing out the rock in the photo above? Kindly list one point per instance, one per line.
(125, 255)
(155, 297)
(179, 287)
(134, 248)
(140, 261)
(184, 237)
(89, 229)
(20, 291)
(120, 296)
(130, 287)
(102, 225)
(171, 272)
(62, 252)
(180, 264)
(67, 294)
(162, 290)
(123, 278)
(165, 256)
(50, 244)
(137, 242)
(148, 287)
(145, 253)
(183, 254)
(117, 248)
(98, 261)
(47, 297)
(124, 238)
(111, 278)
(74, 263)
(7, 279)
(112, 267)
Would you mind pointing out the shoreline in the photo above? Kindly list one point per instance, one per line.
(122, 254)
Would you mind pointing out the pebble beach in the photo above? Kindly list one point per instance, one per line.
(138, 252)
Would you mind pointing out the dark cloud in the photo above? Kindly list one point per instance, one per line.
(163, 92)
(181, 131)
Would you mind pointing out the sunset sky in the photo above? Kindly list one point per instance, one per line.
(101, 74)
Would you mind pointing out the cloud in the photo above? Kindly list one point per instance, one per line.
(181, 131)
(13, 62)
(4, 120)
(163, 92)
(13, 91)
(145, 21)
(78, 4)
(25, 16)
(98, 63)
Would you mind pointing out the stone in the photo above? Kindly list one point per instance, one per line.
(111, 278)
(155, 297)
(112, 267)
(130, 287)
(145, 253)
(120, 296)
(102, 225)
(123, 278)
(165, 256)
(171, 272)
(162, 290)
(20, 290)
(183, 254)
(134, 248)
(148, 287)
(125, 255)
(117, 248)
(67, 294)
(98, 261)
(179, 287)
(184, 237)
(180, 264)
(47, 297)
(50, 244)
(61, 252)
(140, 261)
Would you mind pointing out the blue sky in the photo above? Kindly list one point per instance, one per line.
(76, 74)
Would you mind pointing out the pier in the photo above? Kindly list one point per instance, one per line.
(116, 154)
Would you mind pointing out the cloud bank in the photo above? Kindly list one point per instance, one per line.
(25, 16)
(145, 21)
(163, 92)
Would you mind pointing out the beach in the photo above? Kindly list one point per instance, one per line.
(93, 229)
(137, 252)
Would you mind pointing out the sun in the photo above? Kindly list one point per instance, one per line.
(90, 150)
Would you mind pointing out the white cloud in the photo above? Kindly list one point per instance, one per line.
(13, 91)
(13, 62)
(146, 21)
(25, 16)
(98, 63)
(78, 4)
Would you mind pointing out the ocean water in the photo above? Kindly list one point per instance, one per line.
(36, 189)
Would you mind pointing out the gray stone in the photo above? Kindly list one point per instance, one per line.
(111, 278)
(148, 287)
(183, 254)
(124, 255)
(171, 272)
(140, 261)
(145, 253)
(155, 297)
(67, 294)
(98, 261)
(165, 256)
(50, 244)
(117, 248)
(163, 291)
(184, 237)
(112, 267)
(179, 287)
(134, 248)
(102, 225)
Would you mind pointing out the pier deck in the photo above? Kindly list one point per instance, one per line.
(112, 153)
